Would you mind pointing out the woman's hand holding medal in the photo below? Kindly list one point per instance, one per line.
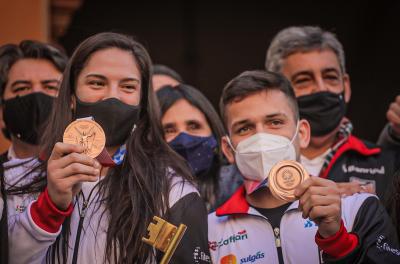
(73, 161)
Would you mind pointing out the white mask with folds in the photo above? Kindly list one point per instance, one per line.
(257, 154)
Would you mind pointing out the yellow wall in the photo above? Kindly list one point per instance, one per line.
(19, 20)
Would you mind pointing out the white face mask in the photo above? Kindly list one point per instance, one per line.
(257, 154)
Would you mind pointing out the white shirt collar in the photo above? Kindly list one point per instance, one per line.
(314, 166)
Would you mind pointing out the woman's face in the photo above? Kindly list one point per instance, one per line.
(110, 73)
(184, 117)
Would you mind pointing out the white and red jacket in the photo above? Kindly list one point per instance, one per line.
(238, 234)
(34, 223)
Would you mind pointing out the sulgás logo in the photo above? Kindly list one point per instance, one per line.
(241, 235)
(252, 258)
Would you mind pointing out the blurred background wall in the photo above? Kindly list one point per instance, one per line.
(43, 20)
(22, 19)
(209, 43)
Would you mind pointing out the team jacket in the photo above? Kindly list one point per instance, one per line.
(357, 160)
(34, 223)
(239, 234)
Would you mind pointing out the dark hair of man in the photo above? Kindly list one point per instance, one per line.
(159, 69)
(167, 97)
(28, 49)
(251, 82)
(136, 190)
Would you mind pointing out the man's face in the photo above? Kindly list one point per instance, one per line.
(316, 71)
(263, 112)
(32, 75)
(28, 76)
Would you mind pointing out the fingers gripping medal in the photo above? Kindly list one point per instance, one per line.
(284, 177)
(90, 135)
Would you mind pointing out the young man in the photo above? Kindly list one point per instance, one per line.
(314, 62)
(30, 74)
(261, 116)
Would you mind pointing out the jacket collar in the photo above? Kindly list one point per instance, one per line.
(352, 144)
(238, 204)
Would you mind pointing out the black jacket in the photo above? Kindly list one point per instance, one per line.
(358, 160)
(377, 241)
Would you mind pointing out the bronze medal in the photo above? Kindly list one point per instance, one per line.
(284, 177)
(86, 133)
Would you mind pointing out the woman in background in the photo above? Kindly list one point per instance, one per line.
(193, 129)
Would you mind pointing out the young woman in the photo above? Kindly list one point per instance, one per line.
(193, 129)
(87, 213)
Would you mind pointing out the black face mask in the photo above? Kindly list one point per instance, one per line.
(324, 111)
(25, 116)
(115, 117)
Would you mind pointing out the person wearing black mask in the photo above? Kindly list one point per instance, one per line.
(193, 129)
(314, 62)
(96, 210)
(30, 74)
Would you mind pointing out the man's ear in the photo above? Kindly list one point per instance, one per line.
(227, 150)
(347, 88)
(304, 133)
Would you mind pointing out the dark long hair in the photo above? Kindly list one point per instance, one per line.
(138, 189)
(167, 97)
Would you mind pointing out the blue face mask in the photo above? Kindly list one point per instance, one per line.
(199, 152)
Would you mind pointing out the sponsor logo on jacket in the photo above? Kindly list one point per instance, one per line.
(308, 223)
(384, 246)
(252, 258)
(199, 256)
(241, 235)
(229, 259)
(352, 168)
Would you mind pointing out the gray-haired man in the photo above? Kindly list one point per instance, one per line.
(314, 62)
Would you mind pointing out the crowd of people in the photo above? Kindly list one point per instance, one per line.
(169, 153)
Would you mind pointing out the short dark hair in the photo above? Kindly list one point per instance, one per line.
(28, 49)
(250, 82)
(159, 69)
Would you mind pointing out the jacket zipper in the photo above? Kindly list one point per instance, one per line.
(79, 231)
(277, 235)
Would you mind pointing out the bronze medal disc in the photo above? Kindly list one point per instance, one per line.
(284, 177)
(86, 133)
